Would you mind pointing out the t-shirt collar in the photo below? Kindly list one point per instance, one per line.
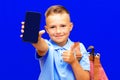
(66, 46)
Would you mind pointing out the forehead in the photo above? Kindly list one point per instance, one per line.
(58, 17)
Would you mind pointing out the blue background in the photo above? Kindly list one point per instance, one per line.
(96, 22)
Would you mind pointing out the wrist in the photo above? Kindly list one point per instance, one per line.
(74, 62)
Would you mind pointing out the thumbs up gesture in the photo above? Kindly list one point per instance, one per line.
(73, 54)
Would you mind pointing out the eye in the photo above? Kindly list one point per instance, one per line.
(63, 25)
(52, 26)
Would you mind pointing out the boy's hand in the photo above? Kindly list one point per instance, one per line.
(22, 31)
(68, 56)
(73, 54)
(36, 45)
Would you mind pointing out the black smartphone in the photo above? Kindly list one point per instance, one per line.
(32, 25)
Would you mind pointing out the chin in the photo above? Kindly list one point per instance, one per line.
(57, 40)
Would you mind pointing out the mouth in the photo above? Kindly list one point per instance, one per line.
(59, 36)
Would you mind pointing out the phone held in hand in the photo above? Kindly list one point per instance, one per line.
(32, 25)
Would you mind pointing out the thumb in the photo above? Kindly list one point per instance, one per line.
(41, 33)
(75, 45)
(72, 48)
(77, 51)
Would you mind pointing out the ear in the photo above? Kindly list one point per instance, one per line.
(46, 28)
(71, 26)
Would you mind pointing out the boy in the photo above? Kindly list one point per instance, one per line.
(56, 56)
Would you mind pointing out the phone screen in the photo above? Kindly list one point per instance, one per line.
(32, 25)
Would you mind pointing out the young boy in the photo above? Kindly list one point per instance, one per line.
(56, 56)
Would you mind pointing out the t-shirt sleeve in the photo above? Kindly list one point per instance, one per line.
(84, 62)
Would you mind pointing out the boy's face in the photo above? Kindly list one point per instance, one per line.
(58, 26)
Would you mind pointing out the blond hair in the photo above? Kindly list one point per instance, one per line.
(56, 9)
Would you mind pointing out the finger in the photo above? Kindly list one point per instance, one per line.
(21, 35)
(76, 45)
(67, 54)
(41, 32)
(22, 22)
(72, 48)
(22, 31)
(64, 54)
(77, 50)
(79, 55)
(66, 51)
(64, 57)
(22, 26)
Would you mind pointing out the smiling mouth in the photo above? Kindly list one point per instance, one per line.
(58, 36)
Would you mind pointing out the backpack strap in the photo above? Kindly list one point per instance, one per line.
(92, 52)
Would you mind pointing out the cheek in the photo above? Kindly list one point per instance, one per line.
(50, 32)
(66, 31)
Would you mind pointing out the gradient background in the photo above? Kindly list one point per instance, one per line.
(96, 22)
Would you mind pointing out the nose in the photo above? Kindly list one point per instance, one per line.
(58, 30)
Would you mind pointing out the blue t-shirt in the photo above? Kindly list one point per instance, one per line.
(54, 68)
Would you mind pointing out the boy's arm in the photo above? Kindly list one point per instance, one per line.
(80, 74)
(69, 57)
(41, 46)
